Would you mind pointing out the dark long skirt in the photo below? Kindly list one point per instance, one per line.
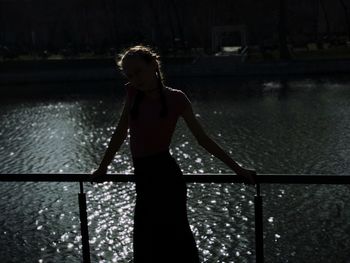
(161, 229)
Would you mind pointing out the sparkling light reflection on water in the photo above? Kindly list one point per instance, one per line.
(295, 126)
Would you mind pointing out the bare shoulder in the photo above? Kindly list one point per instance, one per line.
(174, 91)
(177, 93)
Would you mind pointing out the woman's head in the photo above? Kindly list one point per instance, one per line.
(141, 65)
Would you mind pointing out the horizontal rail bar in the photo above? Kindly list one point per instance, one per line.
(189, 178)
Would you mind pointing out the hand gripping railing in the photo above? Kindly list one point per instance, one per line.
(189, 178)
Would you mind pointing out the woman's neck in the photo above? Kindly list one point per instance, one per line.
(153, 92)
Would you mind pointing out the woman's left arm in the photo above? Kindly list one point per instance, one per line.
(212, 147)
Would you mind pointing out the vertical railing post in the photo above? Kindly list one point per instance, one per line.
(84, 225)
(259, 238)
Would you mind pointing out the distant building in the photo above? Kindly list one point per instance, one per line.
(228, 36)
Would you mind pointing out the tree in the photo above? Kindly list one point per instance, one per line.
(282, 30)
(157, 29)
(346, 17)
(180, 27)
(325, 17)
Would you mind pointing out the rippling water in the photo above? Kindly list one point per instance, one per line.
(299, 126)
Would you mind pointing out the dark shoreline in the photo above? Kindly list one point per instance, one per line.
(55, 71)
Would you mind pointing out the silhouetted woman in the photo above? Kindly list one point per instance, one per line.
(161, 229)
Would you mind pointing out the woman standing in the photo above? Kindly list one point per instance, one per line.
(161, 229)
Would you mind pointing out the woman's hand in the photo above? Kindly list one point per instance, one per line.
(249, 175)
(100, 171)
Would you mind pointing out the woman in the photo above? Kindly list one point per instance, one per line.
(151, 110)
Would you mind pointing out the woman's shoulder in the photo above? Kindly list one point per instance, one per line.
(128, 85)
(179, 97)
(129, 88)
(174, 91)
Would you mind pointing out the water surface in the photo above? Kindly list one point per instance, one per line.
(294, 126)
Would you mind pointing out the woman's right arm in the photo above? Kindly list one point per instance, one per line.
(116, 141)
(212, 147)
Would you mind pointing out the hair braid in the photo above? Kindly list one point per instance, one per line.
(135, 106)
(164, 109)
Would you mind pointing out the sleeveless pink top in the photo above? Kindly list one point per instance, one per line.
(149, 133)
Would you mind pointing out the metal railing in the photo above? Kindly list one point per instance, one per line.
(189, 178)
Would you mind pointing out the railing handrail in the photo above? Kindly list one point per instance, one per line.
(189, 178)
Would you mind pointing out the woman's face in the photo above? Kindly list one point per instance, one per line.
(141, 75)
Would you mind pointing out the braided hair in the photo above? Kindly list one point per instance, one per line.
(148, 55)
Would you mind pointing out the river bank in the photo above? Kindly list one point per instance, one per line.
(43, 71)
